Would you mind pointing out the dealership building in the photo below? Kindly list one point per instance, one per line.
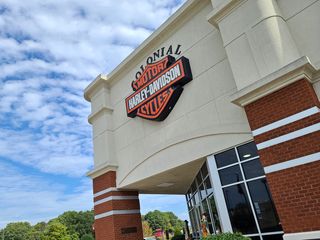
(220, 104)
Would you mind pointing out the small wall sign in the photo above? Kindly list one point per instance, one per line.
(129, 230)
(158, 88)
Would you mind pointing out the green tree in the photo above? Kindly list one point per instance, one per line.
(57, 231)
(147, 230)
(163, 220)
(79, 223)
(37, 231)
(173, 221)
(156, 220)
(33, 234)
(16, 231)
(40, 227)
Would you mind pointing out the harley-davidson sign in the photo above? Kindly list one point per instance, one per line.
(158, 88)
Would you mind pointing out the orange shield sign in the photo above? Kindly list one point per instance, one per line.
(158, 88)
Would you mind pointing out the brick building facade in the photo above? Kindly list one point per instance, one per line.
(238, 123)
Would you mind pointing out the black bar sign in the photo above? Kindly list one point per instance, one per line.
(128, 230)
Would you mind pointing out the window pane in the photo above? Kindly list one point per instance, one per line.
(230, 175)
(204, 170)
(226, 158)
(240, 213)
(253, 169)
(211, 230)
(255, 238)
(273, 237)
(192, 202)
(215, 216)
(188, 195)
(202, 191)
(198, 212)
(193, 187)
(208, 185)
(197, 198)
(188, 203)
(263, 205)
(247, 151)
(194, 220)
(206, 210)
(199, 178)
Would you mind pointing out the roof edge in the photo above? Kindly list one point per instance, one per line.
(180, 14)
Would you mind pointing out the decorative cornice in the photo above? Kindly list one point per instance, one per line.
(102, 169)
(316, 76)
(183, 13)
(100, 80)
(299, 69)
(103, 109)
(223, 10)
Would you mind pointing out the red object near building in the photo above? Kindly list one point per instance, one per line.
(158, 233)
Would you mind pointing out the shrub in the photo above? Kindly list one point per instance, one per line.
(87, 236)
(227, 236)
(178, 237)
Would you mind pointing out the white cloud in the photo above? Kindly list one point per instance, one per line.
(49, 52)
(33, 198)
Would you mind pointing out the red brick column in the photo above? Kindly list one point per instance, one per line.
(285, 126)
(117, 213)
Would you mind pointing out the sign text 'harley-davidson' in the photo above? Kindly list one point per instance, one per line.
(158, 88)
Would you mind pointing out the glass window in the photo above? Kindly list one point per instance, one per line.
(198, 212)
(194, 222)
(230, 175)
(188, 204)
(273, 237)
(226, 158)
(207, 212)
(240, 213)
(206, 209)
(188, 195)
(197, 198)
(253, 169)
(199, 203)
(247, 151)
(263, 206)
(199, 178)
(248, 200)
(215, 216)
(193, 187)
(203, 193)
(255, 238)
(204, 170)
(208, 185)
(192, 202)
(211, 229)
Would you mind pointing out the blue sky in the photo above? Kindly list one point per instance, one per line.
(49, 52)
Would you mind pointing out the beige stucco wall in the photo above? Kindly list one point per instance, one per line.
(303, 19)
(144, 148)
(202, 122)
(248, 41)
